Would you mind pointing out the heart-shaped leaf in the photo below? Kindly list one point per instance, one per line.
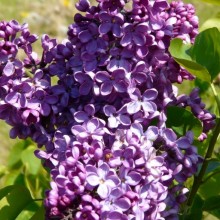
(181, 54)
(206, 51)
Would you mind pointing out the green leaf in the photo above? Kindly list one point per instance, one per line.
(29, 211)
(197, 204)
(206, 50)
(182, 120)
(14, 159)
(31, 162)
(213, 165)
(4, 191)
(215, 2)
(212, 203)
(3, 170)
(12, 204)
(181, 54)
(15, 177)
(40, 214)
(203, 85)
(180, 50)
(197, 216)
(195, 211)
(211, 187)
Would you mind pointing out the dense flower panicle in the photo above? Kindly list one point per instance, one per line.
(103, 124)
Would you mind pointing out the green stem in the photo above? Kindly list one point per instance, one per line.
(29, 74)
(199, 178)
(216, 97)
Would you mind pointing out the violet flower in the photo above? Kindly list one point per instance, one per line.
(111, 22)
(134, 33)
(109, 81)
(103, 177)
(120, 59)
(145, 104)
(91, 38)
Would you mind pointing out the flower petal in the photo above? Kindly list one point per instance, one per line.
(93, 179)
(123, 204)
(133, 107)
(126, 39)
(103, 191)
(104, 28)
(133, 178)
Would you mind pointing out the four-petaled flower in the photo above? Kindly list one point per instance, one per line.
(143, 102)
(109, 81)
(111, 22)
(103, 177)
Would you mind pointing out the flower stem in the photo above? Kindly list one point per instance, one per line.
(198, 180)
(216, 97)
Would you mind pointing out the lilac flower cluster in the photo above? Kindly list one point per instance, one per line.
(102, 126)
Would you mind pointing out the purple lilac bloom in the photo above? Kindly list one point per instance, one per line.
(116, 118)
(111, 5)
(142, 102)
(92, 40)
(103, 177)
(111, 23)
(103, 124)
(120, 58)
(116, 80)
(134, 34)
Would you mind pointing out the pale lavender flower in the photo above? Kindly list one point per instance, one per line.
(103, 177)
(83, 5)
(92, 62)
(93, 128)
(142, 102)
(115, 201)
(111, 5)
(116, 117)
(82, 116)
(114, 215)
(104, 124)
(129, 177)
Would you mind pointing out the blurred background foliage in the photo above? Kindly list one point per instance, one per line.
(17, 161)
